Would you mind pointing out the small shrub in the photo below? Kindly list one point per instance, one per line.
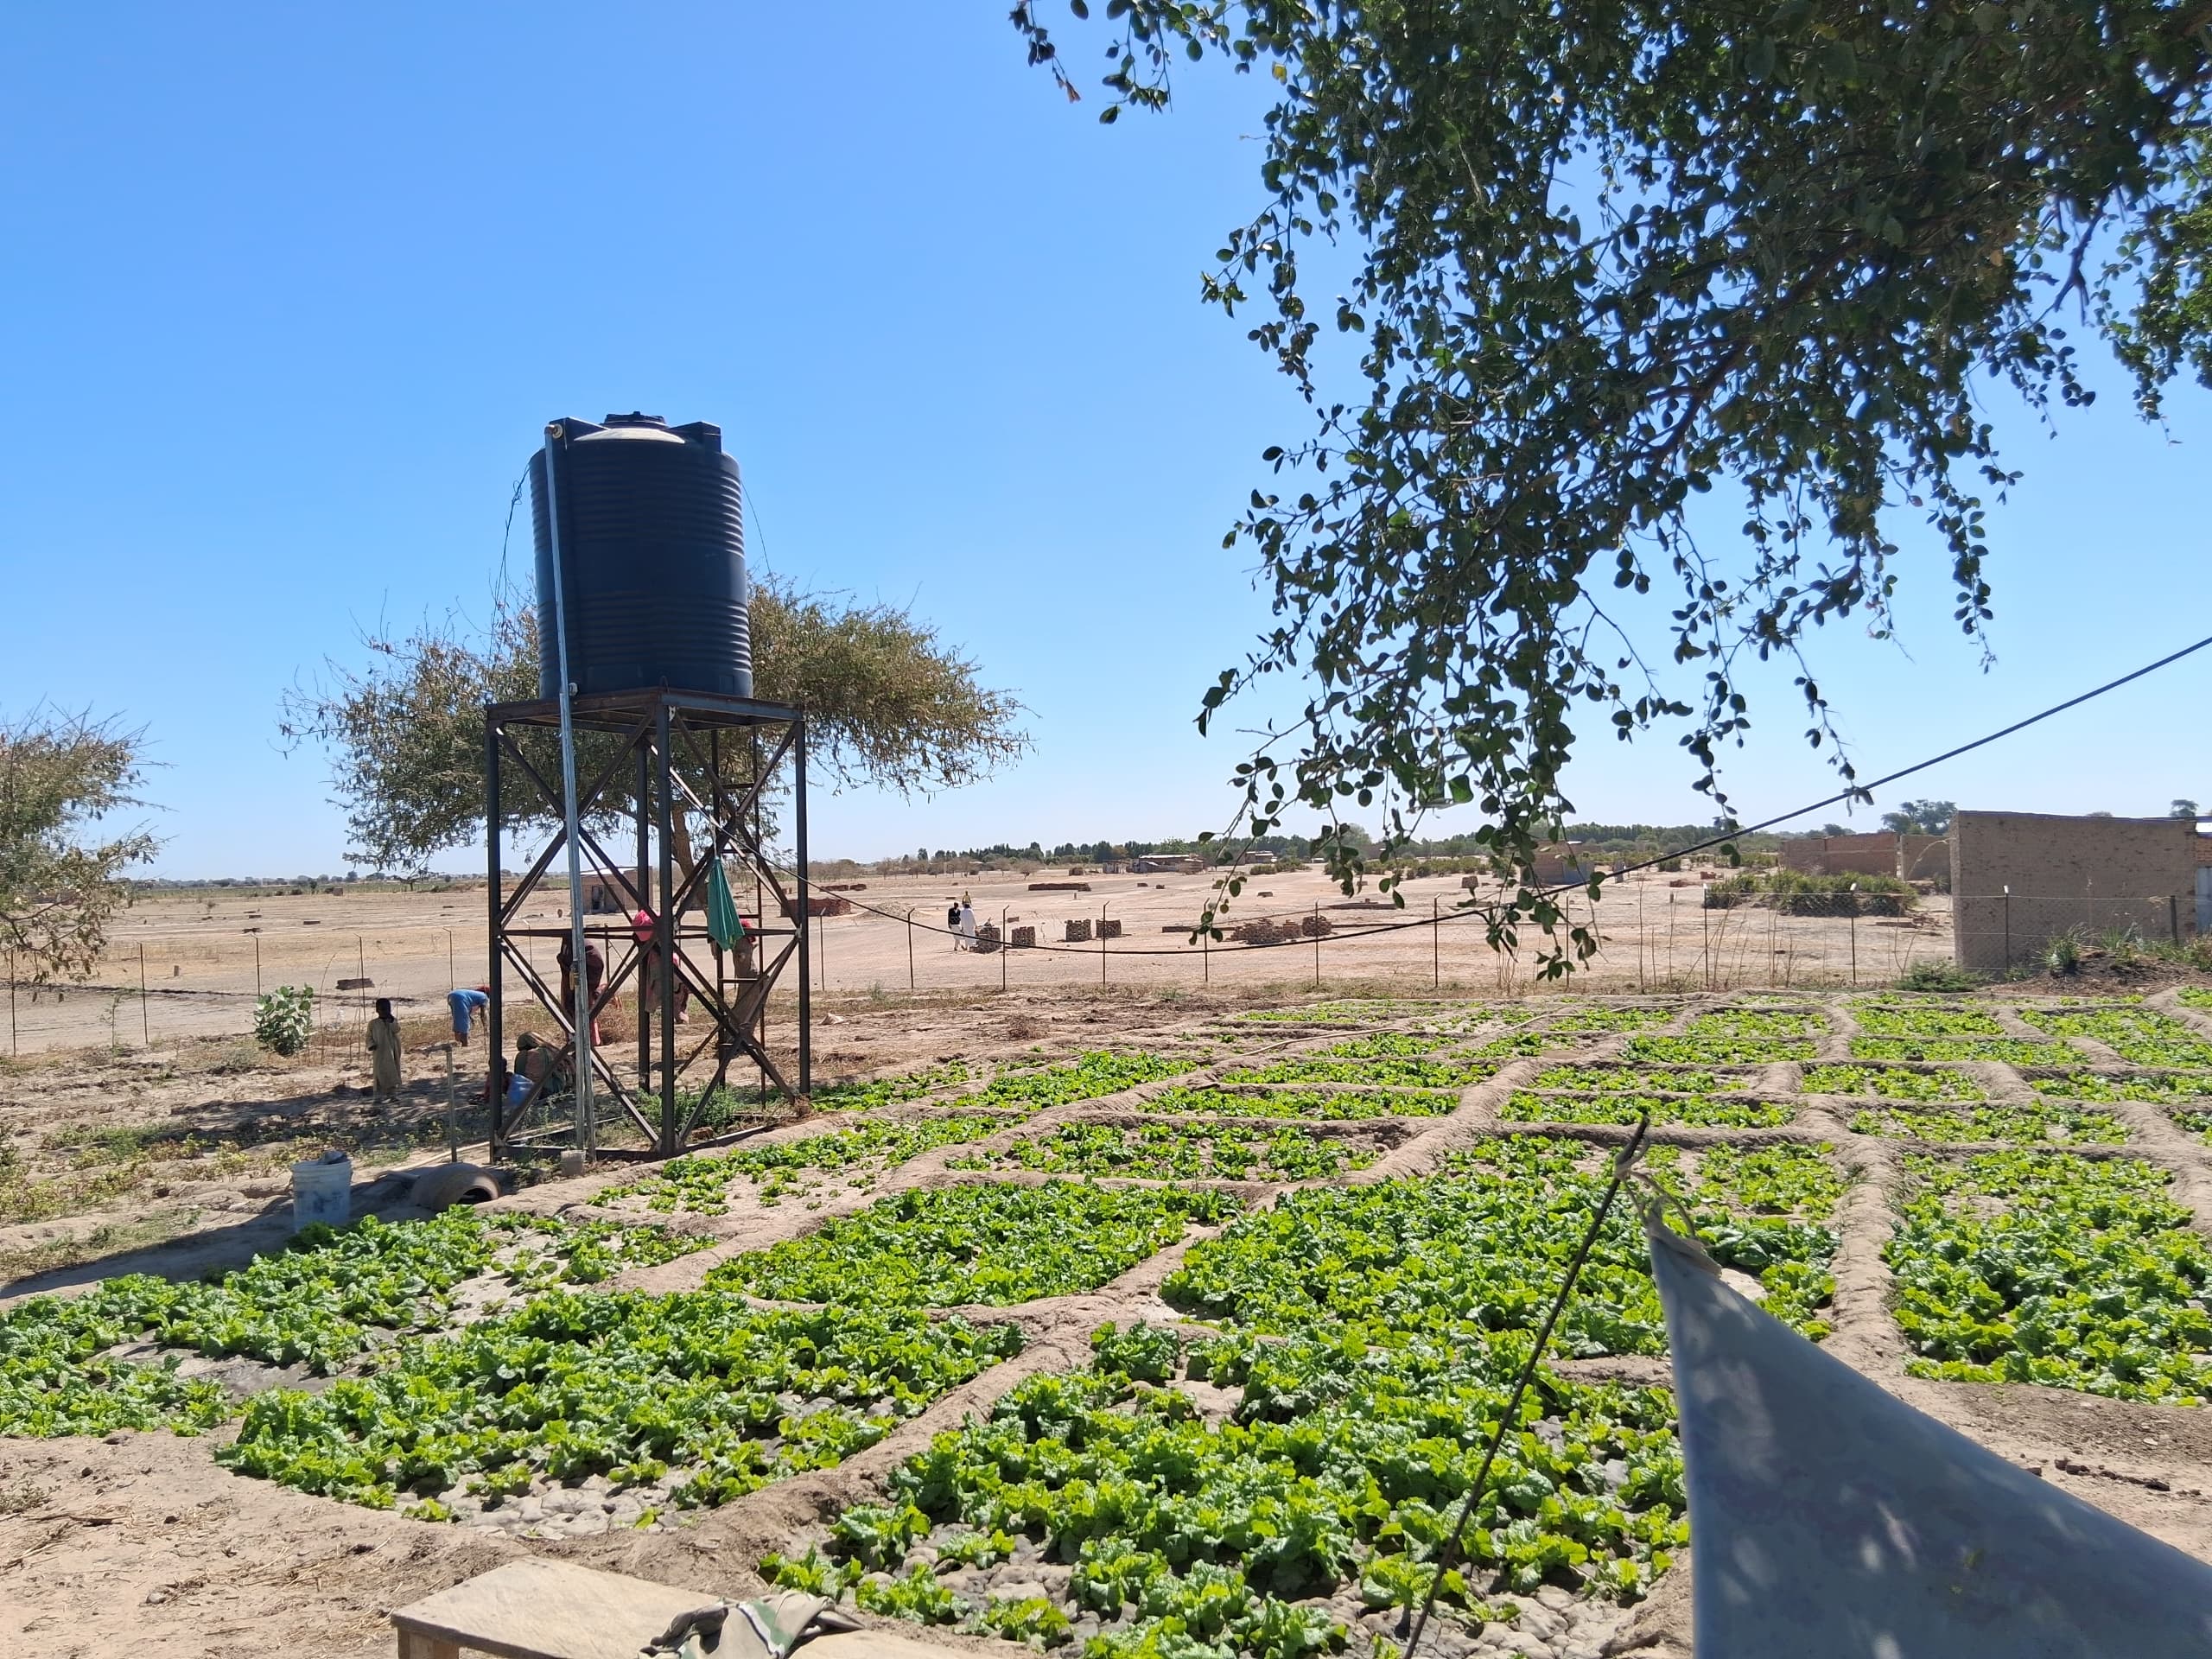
(1937, 976)
(2062, 956)
(283, 1020)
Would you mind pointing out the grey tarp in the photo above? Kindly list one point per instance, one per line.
(1829, 1519)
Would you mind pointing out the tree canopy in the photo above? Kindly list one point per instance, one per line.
(1612, 255)
(1920, 818)
(887, 703)
(60, 882)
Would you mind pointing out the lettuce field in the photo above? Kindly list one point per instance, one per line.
(1191, 1351)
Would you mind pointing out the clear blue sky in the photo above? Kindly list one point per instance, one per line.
(287, 294)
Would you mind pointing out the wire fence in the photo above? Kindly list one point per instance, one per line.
(182, 982)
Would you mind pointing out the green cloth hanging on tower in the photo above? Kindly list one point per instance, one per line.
(723, 925)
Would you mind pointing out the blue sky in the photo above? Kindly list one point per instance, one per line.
(288, 292)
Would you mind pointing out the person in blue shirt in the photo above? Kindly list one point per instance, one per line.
(466, 1003)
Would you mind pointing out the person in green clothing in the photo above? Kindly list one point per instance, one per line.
(384, 1053)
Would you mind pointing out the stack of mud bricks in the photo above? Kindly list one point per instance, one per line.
(1108, 928)
(1025, 938)
(986, 937)
(1078, 931)
(1314, 927)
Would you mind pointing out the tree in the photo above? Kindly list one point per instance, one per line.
(1920, 818)
(61, 884)
(887, 704)
(1605, 260)
(2184, 809)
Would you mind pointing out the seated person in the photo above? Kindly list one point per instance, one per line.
(537, 1064)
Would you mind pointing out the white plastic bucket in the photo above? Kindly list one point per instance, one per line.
(322, 1191)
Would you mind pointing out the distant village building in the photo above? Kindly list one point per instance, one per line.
(1169, 864)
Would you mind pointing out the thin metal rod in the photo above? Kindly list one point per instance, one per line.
(644, 805)
(664, 930)
(1621, 1164)
(495, 1093)
(910, 947)
(805, 904)
(453, 1113)
(145, 1023)
(587, 1129)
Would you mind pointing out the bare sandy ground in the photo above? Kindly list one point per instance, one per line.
(205, 955)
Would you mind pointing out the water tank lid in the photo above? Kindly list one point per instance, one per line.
(661, 435)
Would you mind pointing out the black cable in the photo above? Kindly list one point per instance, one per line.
(1720, 840)
(1622, 1160)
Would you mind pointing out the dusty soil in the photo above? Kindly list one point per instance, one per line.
(187, 964)
(142, 1537)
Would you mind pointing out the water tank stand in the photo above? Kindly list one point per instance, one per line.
(693, 774)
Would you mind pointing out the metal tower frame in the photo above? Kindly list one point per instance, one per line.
(654, 727)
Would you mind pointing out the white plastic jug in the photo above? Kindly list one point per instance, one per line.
(322, 1191)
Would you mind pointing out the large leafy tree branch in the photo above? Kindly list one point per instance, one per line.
(889, 704)
(1610, 254)
(62, 879)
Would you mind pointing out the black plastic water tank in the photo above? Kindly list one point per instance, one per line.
(652, 558)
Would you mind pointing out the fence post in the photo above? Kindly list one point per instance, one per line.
(2008, 926)
(11, 1002)
(1101, 945)
(1317, 944)
(1855, 936)
(822, 946)
(1006, 939)
(145, 1024)
(1206, 958)
(1436, 942)
(256, 963)
(910, 947)
(2173, 918)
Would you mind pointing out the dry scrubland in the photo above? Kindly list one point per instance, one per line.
(1160, 1321)
(204, 951)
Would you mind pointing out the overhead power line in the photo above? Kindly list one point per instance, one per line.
(1856, 792)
